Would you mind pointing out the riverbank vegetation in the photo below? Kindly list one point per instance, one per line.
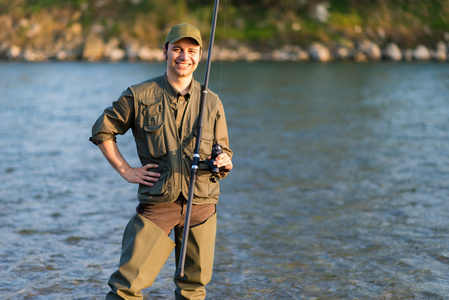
(253, 29)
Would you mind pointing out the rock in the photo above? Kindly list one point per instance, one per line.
(4, 47)
(252, 56)
(132, 50)
(116, 54)
(279, 55)
(392, 52)
(371, 50)
(360, 56)
(32, 55)
(290, 53)
(66, 54)
(408, 54)
(421, 53)
(342, 53)
(13, 52)
(224, 54)
(303, 55)
(243, 53)
(296, 53)
(148, 54)
(319, 52)
(440, 53)
(112, 50)
(62, 55)
(93, 48)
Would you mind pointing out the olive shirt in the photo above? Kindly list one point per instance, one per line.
(164, 124)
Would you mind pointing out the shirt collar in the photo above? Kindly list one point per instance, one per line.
(173, 92)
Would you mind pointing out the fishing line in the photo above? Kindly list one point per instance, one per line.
(222, 46)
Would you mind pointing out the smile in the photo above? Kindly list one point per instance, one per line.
(183, 65)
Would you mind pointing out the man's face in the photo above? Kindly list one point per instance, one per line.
(182, 57)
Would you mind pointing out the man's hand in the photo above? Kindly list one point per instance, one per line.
(141, 175)
(223, 161)
(133, 175)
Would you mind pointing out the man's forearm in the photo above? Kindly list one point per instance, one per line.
(111, 152)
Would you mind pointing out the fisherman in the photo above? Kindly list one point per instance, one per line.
(163, 115)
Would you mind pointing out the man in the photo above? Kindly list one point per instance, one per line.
(163, 114)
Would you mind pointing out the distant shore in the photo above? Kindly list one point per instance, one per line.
(134, 30)
(94, 49)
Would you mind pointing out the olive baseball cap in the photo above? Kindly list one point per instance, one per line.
(184, 30)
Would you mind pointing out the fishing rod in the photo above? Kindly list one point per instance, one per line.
(196, 154)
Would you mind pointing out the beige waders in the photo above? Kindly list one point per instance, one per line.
(146, 248)
(199, 260)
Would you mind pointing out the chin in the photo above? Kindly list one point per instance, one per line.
(185, 72)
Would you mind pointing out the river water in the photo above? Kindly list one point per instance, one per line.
(339, 190)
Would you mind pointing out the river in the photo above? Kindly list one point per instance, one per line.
(339, 189)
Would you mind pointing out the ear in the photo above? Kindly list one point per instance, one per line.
(165, 53)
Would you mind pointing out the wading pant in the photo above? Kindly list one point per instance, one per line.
(199, 260)
(145, 249)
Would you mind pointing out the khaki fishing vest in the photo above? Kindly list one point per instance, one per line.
(159, 141)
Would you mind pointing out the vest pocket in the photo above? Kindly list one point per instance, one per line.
(153, 114)
(153, 122)
(204, 188)
(156, 140)
(159, 187)
(207, 140)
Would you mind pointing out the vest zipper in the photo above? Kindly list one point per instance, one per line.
(180, 165)
(180, 161)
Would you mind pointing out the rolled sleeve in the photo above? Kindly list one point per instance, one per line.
(116, 119)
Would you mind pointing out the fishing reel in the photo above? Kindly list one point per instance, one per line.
(216, 150)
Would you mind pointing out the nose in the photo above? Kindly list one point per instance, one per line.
(183, 54)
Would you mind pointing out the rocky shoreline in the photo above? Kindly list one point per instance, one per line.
(73, 44)
(93, 48)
